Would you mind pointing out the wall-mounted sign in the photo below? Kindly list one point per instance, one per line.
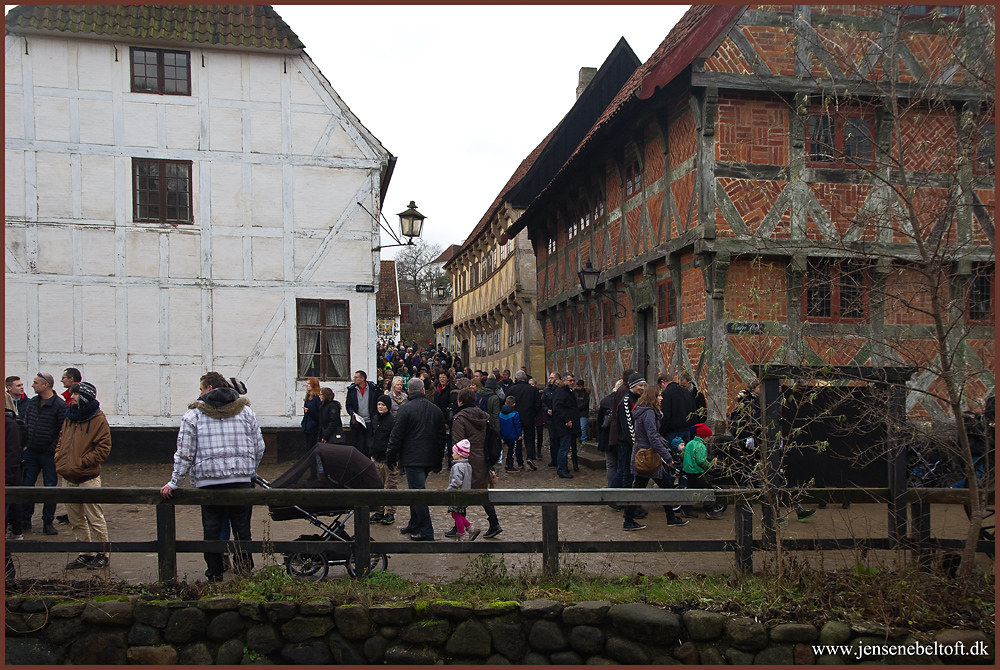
(365, 288)
(735, 328)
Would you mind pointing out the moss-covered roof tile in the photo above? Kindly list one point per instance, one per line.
(245, 26)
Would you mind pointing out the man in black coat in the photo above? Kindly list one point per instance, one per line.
(547, 403)
(677, 405)
(528, 405)
(566, 418)
(44, 416)
(417, 444)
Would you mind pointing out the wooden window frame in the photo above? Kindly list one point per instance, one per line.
(984, 150)
(633, 178)
(594, 325)
(581, 328)
(161, 78)
(909, 14)
(322, 373)
(838, 155)
(983, 277)
(666, 314)
(607, 319)
(519, 323)
(162, 190)
(834, 269)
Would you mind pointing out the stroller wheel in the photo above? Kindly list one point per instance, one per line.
(307, 567)
(379, 562)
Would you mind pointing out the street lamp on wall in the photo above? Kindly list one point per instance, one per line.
(588, 284)
(411, 225)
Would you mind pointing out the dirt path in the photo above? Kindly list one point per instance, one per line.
(137, 522)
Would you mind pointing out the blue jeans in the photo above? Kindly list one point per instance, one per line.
(45, 464)
(583, 429)
(553, 441)
(562, 460)
(623, 478)
(212, 517)
(420, 517)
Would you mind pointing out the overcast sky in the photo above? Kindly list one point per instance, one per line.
(462, 94)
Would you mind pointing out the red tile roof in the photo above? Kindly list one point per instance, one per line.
(252, 27)
(447, 316)
(448, 253)
(387, 298)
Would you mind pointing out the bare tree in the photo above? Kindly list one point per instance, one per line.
(417, 272)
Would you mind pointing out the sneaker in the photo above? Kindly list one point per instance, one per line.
(100, 561)
(632, 525)
(407, 530)
(564, 476)
(713, 516)
(806, 514)
(470, 535)
(81, 561)
(18, 536)
(375, 518)
(531, 465)
(512, 468)
(493, 531)
(48, 528)
(688, 515)
(678, 522)
(388, 519)
(451, 533)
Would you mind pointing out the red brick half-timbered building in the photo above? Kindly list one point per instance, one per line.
(781, 184)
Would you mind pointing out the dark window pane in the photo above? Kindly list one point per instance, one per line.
(852, 294)
(819, 294)
(822, 144)
(980, 297)
(857, 140)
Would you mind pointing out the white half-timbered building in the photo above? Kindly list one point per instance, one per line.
(185, 192)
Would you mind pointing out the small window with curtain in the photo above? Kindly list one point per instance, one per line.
(518, 325)
(324, 339)
(633, 178)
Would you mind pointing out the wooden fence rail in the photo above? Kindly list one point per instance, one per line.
(359, 502)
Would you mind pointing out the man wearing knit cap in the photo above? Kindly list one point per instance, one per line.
(695, 464)
(626, 429)
(85, 443)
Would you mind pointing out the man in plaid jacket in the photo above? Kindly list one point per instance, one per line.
(219, 445)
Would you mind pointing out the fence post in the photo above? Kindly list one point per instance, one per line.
(166, 542)
(744, 537)
(550, 538)
(897, 468)
(362, 549)
(920, 539)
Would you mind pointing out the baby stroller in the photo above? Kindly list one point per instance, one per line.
(325, 466)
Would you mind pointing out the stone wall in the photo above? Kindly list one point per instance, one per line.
(228, 630)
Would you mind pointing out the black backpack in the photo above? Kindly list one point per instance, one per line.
(492, 445)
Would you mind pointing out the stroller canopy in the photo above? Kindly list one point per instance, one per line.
(331, 466)
(325, 466)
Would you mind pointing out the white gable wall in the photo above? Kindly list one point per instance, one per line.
(278, 166)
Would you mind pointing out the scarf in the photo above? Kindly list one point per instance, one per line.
(85, 413)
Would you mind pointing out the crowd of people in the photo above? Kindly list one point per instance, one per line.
(423, 413)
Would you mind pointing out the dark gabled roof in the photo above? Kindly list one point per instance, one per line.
(387, 298)
(616, 70)
(448, 253)
(255, 27)
(446, 316)
(535, 171)
(697, 33)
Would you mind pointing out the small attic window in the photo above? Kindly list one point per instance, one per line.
(160, 71)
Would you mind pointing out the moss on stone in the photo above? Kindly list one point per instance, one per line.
(497, 604)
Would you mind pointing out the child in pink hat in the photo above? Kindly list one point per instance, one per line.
(460, 479)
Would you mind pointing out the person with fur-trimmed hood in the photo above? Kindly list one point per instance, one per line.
(220, 446)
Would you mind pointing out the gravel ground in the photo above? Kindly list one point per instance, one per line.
(137, 522)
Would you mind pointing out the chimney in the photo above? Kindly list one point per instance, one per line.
(586, 76)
